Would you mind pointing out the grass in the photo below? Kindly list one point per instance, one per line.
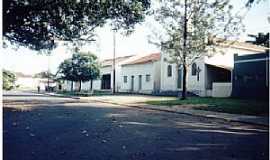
(226, 105)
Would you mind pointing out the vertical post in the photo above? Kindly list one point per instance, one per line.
(114, 30)
(48, 76)
(184, 53)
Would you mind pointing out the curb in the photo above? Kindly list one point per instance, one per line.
(59, 95)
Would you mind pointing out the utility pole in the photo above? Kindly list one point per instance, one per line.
(184, 53)
(114, 42)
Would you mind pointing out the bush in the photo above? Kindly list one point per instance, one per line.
(9, 80)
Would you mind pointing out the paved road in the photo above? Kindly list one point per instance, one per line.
(38, 127)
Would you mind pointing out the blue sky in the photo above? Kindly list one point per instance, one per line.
(29, 62)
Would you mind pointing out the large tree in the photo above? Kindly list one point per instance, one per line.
(192, 29)
(37, 24)
(80, 68)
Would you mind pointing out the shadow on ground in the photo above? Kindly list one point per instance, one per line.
(100, 131)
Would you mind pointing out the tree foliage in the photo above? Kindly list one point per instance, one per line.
(80, 68)
(9, 79)
(44, 74)
(38, 23)
(208, 24)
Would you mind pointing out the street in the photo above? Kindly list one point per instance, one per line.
(39, 127)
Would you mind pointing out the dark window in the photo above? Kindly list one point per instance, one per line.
(169, 70)
(194, 69)
(147, 78)
(125, 79)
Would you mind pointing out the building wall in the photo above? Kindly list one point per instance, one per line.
(222, 90)
(30, 83)
(193, 85)
(136, 70)
(251, 76)
(167, 83)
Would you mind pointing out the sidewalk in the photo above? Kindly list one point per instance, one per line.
(137, 102)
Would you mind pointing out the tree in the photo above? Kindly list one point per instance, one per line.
(9, 79)
(37, 24)
(260, 39)
(192, 29)
(80, 68)
(44, 74)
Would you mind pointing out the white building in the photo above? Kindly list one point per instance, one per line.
(154, 74)
(141, 75)
(207, 76)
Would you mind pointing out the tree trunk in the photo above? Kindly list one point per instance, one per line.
(91, 85)
(71, 87)
(80, 86)
(184, 91)
(184, 54)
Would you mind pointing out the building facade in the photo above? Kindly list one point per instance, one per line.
(155, 74)
(141, 75)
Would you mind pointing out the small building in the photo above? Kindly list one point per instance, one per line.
(251, 76)
(141, 75)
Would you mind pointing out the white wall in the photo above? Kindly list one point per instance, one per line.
(193, 85)
(227, 58)
(136, 70)
(222, 89)
(29, 83)
(167, 83)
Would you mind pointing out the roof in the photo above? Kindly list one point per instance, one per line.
(221, 66)
(109, 62)
(244, 45)
(145, 59)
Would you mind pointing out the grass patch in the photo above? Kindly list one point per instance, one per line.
(226, 105)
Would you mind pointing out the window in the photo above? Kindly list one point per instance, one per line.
(194, 69)
(147, 78)
(125, 79)
(169, 70)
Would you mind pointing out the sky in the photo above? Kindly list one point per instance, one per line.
(30, 62)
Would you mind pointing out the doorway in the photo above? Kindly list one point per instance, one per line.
(106, 81)
(132, 83)
(140, 82)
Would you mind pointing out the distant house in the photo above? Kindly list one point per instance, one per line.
(251, 76)
(29, 82)
(141, 75)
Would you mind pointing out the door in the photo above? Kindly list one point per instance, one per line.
(140, 82)
(132, 83)
(106, 81)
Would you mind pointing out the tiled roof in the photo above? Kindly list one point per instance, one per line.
(145, 59)
(109, 62)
